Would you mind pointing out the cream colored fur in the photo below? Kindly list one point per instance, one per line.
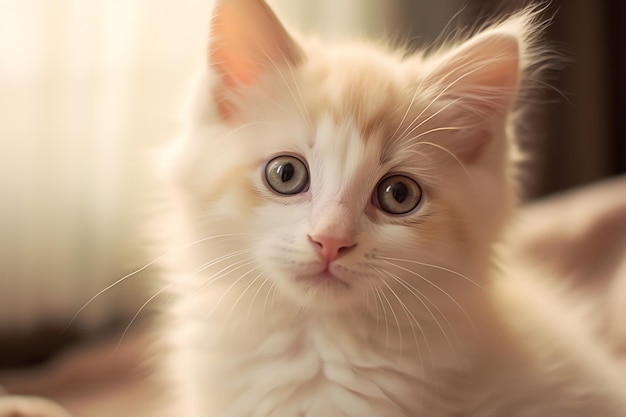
(423, 316)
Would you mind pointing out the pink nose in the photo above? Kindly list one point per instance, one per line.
(330, 248)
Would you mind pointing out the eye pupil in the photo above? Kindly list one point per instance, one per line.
(287, 172)
(399, 191)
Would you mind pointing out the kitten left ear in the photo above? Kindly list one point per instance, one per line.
(480, 78)
(483, 73)
(247, 40)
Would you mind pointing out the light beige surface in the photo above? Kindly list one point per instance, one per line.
(581, 234)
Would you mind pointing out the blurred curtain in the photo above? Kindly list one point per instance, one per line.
(86, 88)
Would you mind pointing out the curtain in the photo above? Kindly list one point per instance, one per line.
(87, 87)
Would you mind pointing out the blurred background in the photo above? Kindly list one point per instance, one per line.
(89, 87)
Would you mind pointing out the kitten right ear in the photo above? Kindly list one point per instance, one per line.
(246, 40)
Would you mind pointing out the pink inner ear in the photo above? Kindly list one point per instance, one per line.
(483, 72)
(246, 40)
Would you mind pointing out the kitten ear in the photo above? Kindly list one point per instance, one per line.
(483, 73)
(480, 79)
(246, 40)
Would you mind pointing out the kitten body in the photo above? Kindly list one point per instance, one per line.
(373, 288)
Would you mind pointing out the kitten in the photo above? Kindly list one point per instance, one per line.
(336, 210)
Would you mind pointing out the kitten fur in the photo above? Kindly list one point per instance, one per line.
(321, 303)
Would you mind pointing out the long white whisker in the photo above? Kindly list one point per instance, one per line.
(434, 130)
(295, 83)
(453, 156)
(393, 313)
(214, 261)
(382, 305)
(235, 266)
(267, 296)
(435, 114)
(286, 83)
(420, 297)
(437, 287)
(250, 284)
(405, 308)
(242, 127)
(377, 313)
(143, 306)
(152, 262)
(255, 295)
(231, 286)
(406, 113)
(273, 300)
(412, 319)
(413, 290)
(440, 94)
(411, 261)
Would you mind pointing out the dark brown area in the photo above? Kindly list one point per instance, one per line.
(23, 349)
(20, 349)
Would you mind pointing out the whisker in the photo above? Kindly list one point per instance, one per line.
(295, 83)
(435, 114)
(411, 289)
(421, 297)
(375, 305)
(149, 264)
(214, 261)
(166, 287)
(406, 113)
(411, 261)
(143, 306)
(250, 284)
(444, 292)
(242, 127)
(267, 296)
(232, 285)
(255, 295)
(382, 305)
(274, 296)
(412, 319)
(444, 91)
(286, 83)
(235, 266)
(434, 130)
(395, 318)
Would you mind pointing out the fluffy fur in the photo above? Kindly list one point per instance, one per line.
(321, 303)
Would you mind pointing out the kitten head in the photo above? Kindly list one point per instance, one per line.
(334, 173)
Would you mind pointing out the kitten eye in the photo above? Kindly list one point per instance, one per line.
(287, 175)
(397, 194)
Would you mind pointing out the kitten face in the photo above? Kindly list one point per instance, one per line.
(346, 172)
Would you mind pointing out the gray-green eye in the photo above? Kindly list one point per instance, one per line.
(287, 175)
(397, 194)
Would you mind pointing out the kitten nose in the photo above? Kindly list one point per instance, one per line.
(333, 231)
(330, 248)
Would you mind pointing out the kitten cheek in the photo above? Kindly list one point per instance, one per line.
(235, 194)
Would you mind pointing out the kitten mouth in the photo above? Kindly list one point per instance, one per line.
(323, 279)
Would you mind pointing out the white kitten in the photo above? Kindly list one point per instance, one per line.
(335, 214)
